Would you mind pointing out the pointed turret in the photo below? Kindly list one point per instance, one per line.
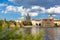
(28, 18)
(51, 17)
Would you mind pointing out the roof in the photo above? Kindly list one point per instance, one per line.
(57, 20)
(36, 20)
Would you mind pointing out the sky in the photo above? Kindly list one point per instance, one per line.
(37, 9)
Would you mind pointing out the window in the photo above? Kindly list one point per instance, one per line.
(50, 19)
(45, 19)
(36, 24)
(39, 24)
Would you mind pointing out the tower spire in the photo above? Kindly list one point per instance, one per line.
(51, 17)
(28, 17)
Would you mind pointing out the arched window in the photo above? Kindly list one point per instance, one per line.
(39, 24)
(36, 24)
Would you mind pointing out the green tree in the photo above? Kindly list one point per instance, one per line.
(9, 34)
(1, 22)
(40, 35)
(11, 21)
(56, 25)
(27, 23)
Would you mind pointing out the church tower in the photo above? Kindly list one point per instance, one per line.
(28, 18)
(51, 20)
(51, 17)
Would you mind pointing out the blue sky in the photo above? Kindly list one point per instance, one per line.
(38, 9)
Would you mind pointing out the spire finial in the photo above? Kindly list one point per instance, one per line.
(51, 17)
(50, 14)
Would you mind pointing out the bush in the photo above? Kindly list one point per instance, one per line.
(56, 25)
(27, 23)
(21, 35)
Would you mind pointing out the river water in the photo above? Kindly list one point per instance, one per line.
(49, 33)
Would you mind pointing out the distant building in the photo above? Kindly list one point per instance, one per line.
(47, 23)
(57, 21)
(36, 22)
(50, 22)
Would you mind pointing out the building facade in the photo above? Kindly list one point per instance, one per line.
(50, 22)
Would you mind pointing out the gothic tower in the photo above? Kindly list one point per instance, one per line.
(51, 17)
(28, 18)
(51, 20)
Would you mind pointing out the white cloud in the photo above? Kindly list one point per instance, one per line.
(42, 9)
(2, 4)
(33, 14)
(38, 7)
(11, 8)
(23, 11)
(20, 9)
(53, 10)
(35, 7)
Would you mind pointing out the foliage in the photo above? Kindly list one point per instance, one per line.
(16, 34)
(27, 23)
(11, 21)
(56, 25)
(1, 22)
(8, 33)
